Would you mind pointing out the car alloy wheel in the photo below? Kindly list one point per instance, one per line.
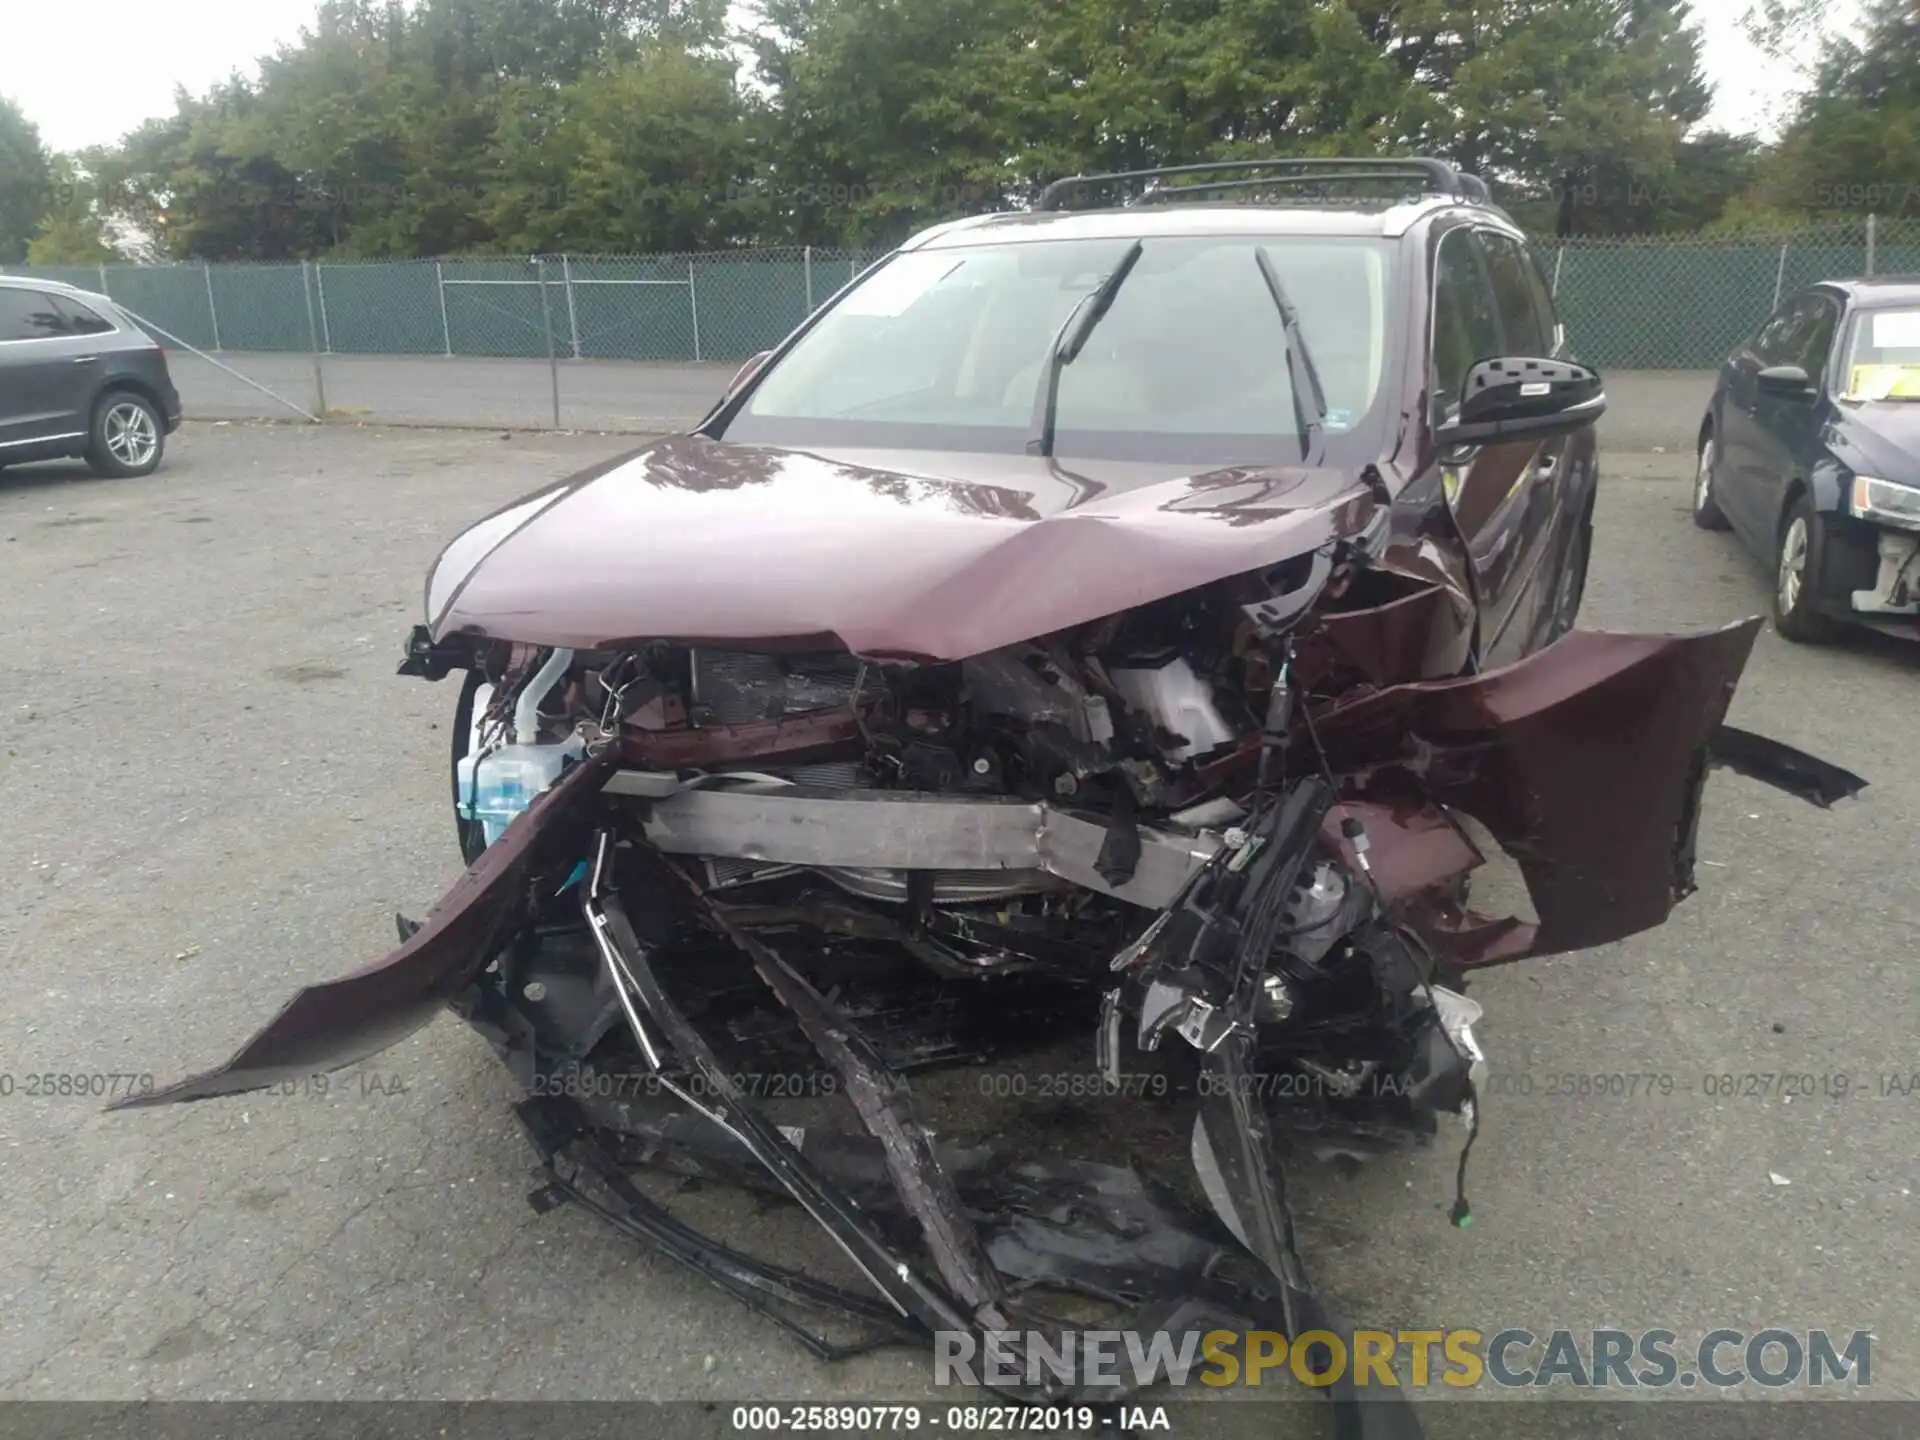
(130, 434)
(1792, 578)
(1797, 585)
(1706, 511)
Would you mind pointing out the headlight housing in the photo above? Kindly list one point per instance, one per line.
(1886, 501)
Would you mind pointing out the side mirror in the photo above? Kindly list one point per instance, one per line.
(1513, 396)
(1784, 380)
(747, 371)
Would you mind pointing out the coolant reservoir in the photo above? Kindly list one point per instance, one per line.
(1177, 700)
(497, 785)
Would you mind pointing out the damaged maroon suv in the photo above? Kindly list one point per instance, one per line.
(1080, 646)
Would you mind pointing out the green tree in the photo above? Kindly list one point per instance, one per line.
(1543, 96)
(1704, 179)
(1853, 144)
(385, 128)
(442, 126)
(72, 232)
(378, 118)
(23, 181)
(194, 184)
(65, 238)
(647, 153)
(914, 107)
(881, 114)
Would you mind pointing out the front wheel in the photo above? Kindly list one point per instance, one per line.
(1797, 564)
(126, 437)
(1706, 510)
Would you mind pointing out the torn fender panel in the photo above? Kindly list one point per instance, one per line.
(1426, 634)
(1415, 847)
(339, 1022)
(1584, 760)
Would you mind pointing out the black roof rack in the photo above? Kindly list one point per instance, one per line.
(1436, 176)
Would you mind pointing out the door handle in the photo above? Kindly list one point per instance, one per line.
(1544, 467)
(86, 359)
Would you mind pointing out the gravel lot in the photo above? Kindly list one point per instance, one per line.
(453, 390)
(218, 789)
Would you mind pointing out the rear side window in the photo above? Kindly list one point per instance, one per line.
(80, 320)
(1800, 333)
(1528, 330)
(28, 315)
(1466, 324)
(1773, 345)
(1814, 338)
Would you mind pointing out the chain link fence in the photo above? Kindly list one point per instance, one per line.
(719, 307)
(1685, 302)
(345, 340)
(681, 322)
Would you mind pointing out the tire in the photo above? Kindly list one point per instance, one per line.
(126, 437)
(1706, 510)
(1798, 557)
(469, 833)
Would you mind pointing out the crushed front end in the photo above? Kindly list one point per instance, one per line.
(783, 903)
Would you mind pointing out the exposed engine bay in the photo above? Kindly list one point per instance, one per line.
(1078, 818)
(1211, 851)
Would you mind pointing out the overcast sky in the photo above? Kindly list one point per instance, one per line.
(153, 47)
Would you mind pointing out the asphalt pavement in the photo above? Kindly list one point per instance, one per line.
(217, 790)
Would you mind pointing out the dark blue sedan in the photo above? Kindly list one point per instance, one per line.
(1810, 453)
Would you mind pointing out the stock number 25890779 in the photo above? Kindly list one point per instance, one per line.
(1067, 1084)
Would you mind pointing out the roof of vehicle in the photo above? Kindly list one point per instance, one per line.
(1286, 194)
(95, 298)
(1381, 219)
(1877, 289)
(34, 282)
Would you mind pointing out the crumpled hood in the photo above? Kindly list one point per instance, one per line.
(920, 555)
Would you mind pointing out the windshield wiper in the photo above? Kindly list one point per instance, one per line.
(1302, 378)
(1068, 343)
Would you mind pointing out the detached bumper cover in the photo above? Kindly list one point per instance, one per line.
(340, 1022)
(1586, 761)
